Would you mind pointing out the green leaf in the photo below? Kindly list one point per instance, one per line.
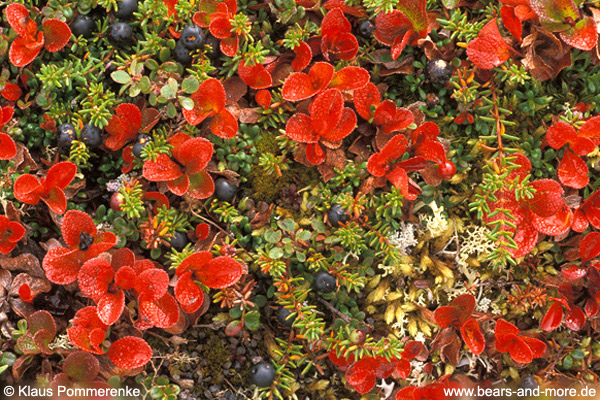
(121, 77)
(235, 312)
(252, 320)
(276, 252)
(167, 92)
(287, 225)
(186, 102)
(272, 236)
(171, 110)
(190, 85)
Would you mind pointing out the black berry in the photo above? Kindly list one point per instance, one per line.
(192, 37)
(282, 317)
(263, 374)
(91, 136)
(336, 215)
(83, 25)
(214, 51)
(141, 142)
(178, 241)
(529, 382)
(126, 8)
(438, 71)
(324, 282)
(224, 190)
(66, 135)
(120, 34)
(182, 53)
(366, 29)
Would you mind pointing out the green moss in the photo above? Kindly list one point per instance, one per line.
(216, 354)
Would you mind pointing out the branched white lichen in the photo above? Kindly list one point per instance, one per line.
(483, 305)
(387, 269)
(61, 342)
(115, 184)
(474, 241)
(404, 238)
(437, 223)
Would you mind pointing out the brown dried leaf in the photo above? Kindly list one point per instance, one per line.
(25, 262)
(250, 115)
(545, 54)
(235, 88)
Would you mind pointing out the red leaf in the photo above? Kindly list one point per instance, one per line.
(129, 352)
(110, 307)
(446, 316)
(403, 368)
(489, 49)
(125, 278)
(574, 318)
(466, 304)
(591, 129)
(220, 272)
(361, 375)
(202, 17)
(592, 308)
(537, 347)
(189, 295)
(518, 349)
(526, 238)
(299, 86)
(350, 78)
(400, 180)
(123, 126)
(432, 151)
(334, 23)
(88, 331)
(344, 127)
(315, 154)
(412, 349)
(201, 186)
(24, 290)
(326, 110)
(263, 98)
(547, 199)
(162, 313)
(573, 171)
(11, 92)
(255, 76)
(471, 334)
(162, 169)
(303, 56)
(503, 328)
(17, 16)
(511, 22)
(366, 100)
(229, 46)
(392, 118)
(94, 277)
(389, 26)
(556, 224)
(580, 222)
(8, 149)
(56, 34)
(61, 265)
(152, 284)
(208, 100)
(400, 43)
(583, 35)
(590, 246)
(7, 113)
(23, 51)
(559, 134)
(195, 154)
(202, 231)
(220, 26)
(341, 361)
(75, 223)
(224, 125)
(573, 272)
(299, 128)
(41, 320)
(60, 175)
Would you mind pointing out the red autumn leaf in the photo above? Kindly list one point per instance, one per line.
(299, 86)
(17, 16)
(8, 149)
(574, 318)
(573, 171)
(401, 27)
(224, 124)
(573, 272)
(583, 35)
(111, 306)
(56, 34)
(552, 318)
(446, 316)
(403, 368)
(123, 126)
(392, 118)
(94, 278)
(152, 284)
(162, 313)
(554, 13)
(25, 293)
(547, 199)
(488, 49)
(511, 22)
(361, 375)
(555, 225)
(521, 349)
(389, 26)
(303, 56)
(591, 209)
(336, 39)
(255, 76)
(471, 334)
(11, 92)
(590, 246)
(366, 100)
(220, 272)
(10, 233)
(202, 17)
(88, 331)
(591, 129)
(229, 46)
(592, 308)
(187, 292)
(129, 352)
(350, 78)
(263, 98)
(125, 278)
(341, 361)
(23, 51)
(41, 321)
(202, 231)
(208, 100)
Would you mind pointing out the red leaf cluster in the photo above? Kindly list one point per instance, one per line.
(299, 86)
(8, 149)
(458, 316)
(488, 49)
(329, 121)
(545, 213)
(62, 264)
(30, 189)
(216, 16)
(401, 27)
(363, 374)
(29, 42)
(424, 148)
(209, 101)
(127, 122)
(184, 171)
(573, 171)
(10, 233)
(433, 391)
(255, 76)
(41, 330)
(522, 349)
(216, 273)
(336, 39)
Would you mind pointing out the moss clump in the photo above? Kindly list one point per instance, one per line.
(216, 355)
